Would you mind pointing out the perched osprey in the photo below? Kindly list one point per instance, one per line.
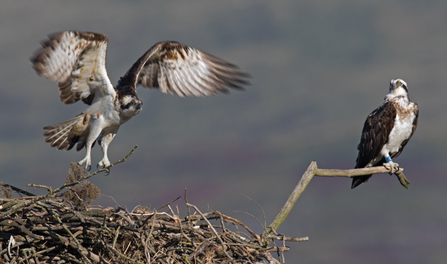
(77, 62)
(387, 130)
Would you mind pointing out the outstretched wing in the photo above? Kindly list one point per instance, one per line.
(76, 61)
(375, 133)
(179, 69)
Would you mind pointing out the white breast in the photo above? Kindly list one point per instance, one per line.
(104, 109)
(401, 132)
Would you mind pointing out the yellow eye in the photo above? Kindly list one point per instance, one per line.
(399, 83)
(132, 103)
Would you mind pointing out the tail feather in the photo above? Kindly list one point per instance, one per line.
(59, 137)
(62, 136)
(357, 180)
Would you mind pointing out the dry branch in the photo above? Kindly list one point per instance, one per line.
(364, 171)
(312, 171)
(296, 193)
(5, 185)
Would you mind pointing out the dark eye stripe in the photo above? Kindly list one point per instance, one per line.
(124, 107)
(132, 103)
(405, 87)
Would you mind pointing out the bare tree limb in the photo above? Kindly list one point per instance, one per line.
(299, 189)
(312, 171)
(364, 171)
(17, 189)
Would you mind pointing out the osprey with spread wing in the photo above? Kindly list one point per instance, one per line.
(76, 61)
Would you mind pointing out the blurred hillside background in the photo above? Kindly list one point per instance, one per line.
(318, 67)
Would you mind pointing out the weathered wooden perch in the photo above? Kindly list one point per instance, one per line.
(360, 172)
(312, 171)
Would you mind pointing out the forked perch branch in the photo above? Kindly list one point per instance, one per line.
(312, 171)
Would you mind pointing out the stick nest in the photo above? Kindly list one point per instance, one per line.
(64, 228)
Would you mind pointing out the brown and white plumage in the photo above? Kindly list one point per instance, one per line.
(387, 130)
(178, 69)
(76, 61)
(66, 134)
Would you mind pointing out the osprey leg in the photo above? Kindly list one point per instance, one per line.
(87, 160)
(94, 133)
(104, 141)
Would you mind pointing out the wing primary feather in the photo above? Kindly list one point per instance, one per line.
(194, 81)
(207, 80)
(226, 82)
(230, 77)
(173, 85)
(223, 65)
(163, 82)
(183, 79)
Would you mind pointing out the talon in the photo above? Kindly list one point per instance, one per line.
(102, 167)
(388, 168)
(87, 162)
(87, 167)
(104, 164)
(392, 167)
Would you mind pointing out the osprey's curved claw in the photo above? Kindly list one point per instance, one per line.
(88, 168)
(103, 167)
(392, 166)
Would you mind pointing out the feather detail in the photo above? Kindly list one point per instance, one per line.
(184, 71)
(76, 61)
(66, 134)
